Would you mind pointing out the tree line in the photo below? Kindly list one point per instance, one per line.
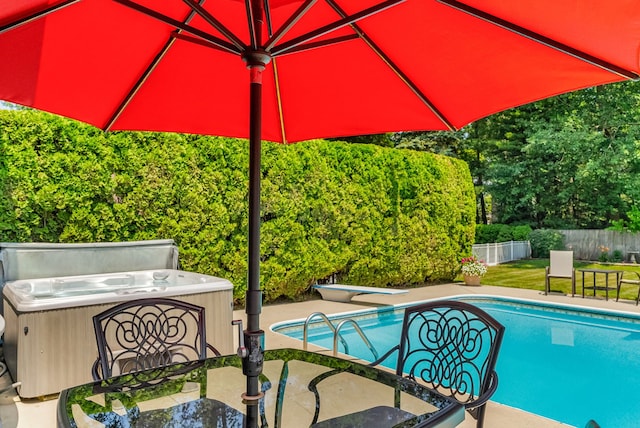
(571, 161)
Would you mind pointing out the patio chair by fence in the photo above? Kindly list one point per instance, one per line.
(560, 266)
(635, 281)
(148, 333)
(450, 346)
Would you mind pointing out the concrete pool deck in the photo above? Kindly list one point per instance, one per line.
(16, 413)
(497, 415)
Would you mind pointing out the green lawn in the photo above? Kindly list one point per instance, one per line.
(530, 274)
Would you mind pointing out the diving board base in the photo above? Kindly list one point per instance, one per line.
(344, 293)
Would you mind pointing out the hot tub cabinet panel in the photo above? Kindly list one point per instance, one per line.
(49, 342)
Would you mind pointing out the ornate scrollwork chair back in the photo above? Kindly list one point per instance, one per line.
(148, 333)
(452, 347)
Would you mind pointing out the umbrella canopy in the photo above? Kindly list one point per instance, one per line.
(317, 68)
(337, 67)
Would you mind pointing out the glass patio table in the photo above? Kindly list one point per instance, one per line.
(300, 389)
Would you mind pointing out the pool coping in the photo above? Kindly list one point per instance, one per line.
(560, 307)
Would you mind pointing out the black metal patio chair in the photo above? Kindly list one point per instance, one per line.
(452, 347)
(148, 333)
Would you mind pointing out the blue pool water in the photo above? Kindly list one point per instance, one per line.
(563, 362)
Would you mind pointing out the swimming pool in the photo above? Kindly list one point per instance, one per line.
(566, 363)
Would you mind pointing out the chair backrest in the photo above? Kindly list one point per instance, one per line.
(148, 333)
(560, 263)
(452, 347)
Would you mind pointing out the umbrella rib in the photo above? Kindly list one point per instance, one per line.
(276, 78)
(143, 78)
(335, 26)
(250, 20)
(197, 40)
(37, 15)
(222, 44)
(532, 35)
(395, 68)
(267, 14)
(320, 44)
(293, 19)
(215, 23)
(276, 75)
(145, 75)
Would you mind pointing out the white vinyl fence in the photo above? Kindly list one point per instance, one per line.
(502, 252)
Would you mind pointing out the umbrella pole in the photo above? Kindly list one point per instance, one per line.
(253, 359)
(253, 335)
(253, 355)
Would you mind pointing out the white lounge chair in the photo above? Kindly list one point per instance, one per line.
(632, 281)
(560, 266)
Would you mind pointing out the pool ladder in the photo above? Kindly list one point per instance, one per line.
(336, 334)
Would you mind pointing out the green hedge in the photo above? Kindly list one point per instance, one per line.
(370, 215)
(490, 233)
(545, 240)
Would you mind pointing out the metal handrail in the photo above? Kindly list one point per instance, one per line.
(336, 334)
(360, 332)
(305, 331)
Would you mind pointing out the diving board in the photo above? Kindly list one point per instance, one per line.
(344, 293)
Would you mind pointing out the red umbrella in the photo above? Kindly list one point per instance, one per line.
(317, 68)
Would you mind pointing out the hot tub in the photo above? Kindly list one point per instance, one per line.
(49, 342)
